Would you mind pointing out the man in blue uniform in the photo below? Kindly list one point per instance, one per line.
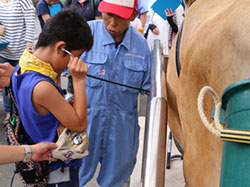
(120, 54)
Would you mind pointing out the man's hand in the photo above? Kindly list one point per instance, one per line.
(5, 73)
(42, 151)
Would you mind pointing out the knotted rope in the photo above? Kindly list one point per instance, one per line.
(214, 127)
(226, 134)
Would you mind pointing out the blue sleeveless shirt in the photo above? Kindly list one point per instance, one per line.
(40, 128)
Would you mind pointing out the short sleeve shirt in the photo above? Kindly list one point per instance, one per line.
(42, 8)
(142, 6)
(86, 9)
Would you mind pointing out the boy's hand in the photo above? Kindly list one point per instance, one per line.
(77, 68)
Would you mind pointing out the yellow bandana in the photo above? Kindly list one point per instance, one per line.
(28, 62)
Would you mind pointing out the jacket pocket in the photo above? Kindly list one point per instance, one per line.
(134, 73)
(96, 67)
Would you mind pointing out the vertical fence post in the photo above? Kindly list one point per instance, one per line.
(154, 153)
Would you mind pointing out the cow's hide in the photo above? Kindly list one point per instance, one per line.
(215, 52)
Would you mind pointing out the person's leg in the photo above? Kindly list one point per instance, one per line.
(2, 60)
(120, 152)
(87, 169)
(61, 184)
(74, 172)
(6, 99)
(6, 102)
(95, 132)
(73, 176)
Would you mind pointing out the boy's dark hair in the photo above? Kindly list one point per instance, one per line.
(68, 26)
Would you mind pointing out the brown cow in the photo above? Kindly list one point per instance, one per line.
(215, 52)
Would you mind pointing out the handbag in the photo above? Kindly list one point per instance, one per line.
(71, 145)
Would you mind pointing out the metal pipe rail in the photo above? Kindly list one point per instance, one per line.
(154, 153)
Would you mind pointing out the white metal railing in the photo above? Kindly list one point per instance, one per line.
(154, 153)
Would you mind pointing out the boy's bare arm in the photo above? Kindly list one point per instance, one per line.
(46, 98)
(78, 70)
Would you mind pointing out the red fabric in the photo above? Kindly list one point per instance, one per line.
(122, 11)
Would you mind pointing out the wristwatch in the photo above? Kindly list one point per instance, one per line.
(28, 153)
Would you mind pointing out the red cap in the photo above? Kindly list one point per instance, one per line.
(122, 8)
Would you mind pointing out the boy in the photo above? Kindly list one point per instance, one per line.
(89, 9)
(37, 91)
(120, 54)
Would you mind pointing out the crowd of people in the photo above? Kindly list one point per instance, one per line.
(87, 37)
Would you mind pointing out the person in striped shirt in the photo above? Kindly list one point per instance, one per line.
(17, 25)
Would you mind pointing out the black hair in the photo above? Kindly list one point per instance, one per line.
(68, 26)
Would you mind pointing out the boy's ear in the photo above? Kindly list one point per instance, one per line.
(134, 14)
(59, 45)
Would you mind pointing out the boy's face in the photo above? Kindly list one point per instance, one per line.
(60, 67)
(115, 25)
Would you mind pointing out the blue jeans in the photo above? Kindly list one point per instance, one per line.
(6, 99)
